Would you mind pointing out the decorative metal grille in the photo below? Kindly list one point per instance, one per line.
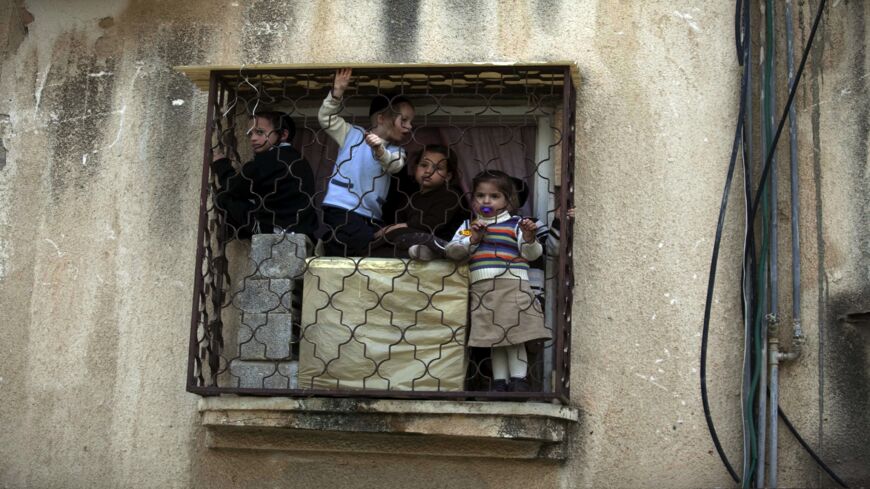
(274, 315)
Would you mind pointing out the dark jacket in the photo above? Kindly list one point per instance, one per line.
(439, 212)
(274, 189)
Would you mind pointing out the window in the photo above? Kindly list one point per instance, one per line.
(275, 313)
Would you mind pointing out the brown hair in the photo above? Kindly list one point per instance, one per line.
(502, 182)
(449, 156)
(280, 122)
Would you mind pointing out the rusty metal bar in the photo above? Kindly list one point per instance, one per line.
(220, 268)
(568, 256)
(200, 234)
(380, 394)
(549, 69)
(562, 306)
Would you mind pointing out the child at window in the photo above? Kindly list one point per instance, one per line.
(434, 209)
(499, 246)
(360, 181)
(548, 236)
(271, 193)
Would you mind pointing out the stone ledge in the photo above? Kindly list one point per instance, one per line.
(432, 428)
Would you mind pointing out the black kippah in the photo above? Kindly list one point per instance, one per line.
(382, 102)
(379, 103)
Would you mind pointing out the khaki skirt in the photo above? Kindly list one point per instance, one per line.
(504, 312)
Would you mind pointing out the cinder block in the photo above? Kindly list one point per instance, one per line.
(279, 255)
(291, 371)
(260, 295)
(265, 336)
(256, 374)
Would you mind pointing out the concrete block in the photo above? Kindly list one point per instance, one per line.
(265, 336)
(279, 255)
(290, 370)
(258, 374)
(260, 295)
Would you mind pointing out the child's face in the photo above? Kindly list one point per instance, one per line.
(396, 127)
(489, 201)
(262, 135)
(432, 171)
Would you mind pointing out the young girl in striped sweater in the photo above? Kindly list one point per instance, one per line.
(499, 247)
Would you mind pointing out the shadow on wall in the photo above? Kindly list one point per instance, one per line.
(846, 373)
(14, 19)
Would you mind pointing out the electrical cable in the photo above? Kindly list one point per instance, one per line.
(764, 285)
(711, 281)
(765, 172)
(809, 450)
(758, 339)
(747, 278)
(737, 40)
(784, 117)
(750, 243)
(714, 261)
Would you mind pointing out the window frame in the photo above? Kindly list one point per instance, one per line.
(212, 79)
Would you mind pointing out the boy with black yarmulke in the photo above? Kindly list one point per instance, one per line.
(360, 180)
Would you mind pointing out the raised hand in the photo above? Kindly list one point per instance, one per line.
(342, 80)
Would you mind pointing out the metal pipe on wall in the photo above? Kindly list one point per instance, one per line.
(773, 362)
(797, 332)
(795, 203)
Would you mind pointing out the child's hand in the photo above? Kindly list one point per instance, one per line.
(570, 214)
(342, 80)
(478, 227)
(528, 228)
(376, 143)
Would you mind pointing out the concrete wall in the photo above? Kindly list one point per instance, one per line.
(837, 115)
(99, 198)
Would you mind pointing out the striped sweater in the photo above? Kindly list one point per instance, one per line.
(502, 253)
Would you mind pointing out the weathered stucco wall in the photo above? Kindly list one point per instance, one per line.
(99, 200)
(837, 114)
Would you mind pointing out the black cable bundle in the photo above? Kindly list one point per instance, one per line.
(743, 138)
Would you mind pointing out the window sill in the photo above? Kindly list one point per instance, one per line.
(508, 430)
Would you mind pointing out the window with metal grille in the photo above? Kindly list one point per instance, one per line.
(292, 298)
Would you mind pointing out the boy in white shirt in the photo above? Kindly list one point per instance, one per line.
(360, 180)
